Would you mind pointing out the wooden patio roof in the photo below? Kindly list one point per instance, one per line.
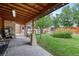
(26, 12)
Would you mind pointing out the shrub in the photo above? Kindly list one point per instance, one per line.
(62, 34)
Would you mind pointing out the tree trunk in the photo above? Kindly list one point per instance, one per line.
(41, 31)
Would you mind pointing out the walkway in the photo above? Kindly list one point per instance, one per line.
(21, 47)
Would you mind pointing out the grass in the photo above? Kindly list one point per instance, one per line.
(60, 46)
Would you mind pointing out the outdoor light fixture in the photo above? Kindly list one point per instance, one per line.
(14, 13)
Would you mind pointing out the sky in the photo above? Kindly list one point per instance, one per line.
(58, 11)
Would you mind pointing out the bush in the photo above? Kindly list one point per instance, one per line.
(63, 34)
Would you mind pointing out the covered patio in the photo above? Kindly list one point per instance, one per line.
(21, 45)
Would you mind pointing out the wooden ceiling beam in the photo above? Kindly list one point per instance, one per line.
(17, 13)
(34, 6)
(10, 8)
(7, 7)
(43, 4)
(40, 5)
(31, 7)
(7, 16)
(19, 8)
(28, 8)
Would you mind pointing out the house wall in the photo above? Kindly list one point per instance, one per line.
(9, 24)
(17, 28)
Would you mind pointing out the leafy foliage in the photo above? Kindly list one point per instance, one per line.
(75, 9)
(68, 17)
(44, 22)
(55, 21)
(63, 34)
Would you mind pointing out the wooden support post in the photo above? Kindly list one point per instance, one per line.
(14, 30)
(33, 37)
(19, 28)
(2, 26)
(2, 23)
(25, 31)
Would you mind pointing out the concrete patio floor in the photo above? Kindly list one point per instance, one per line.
(21, 47)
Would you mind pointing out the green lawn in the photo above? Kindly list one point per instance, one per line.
(60, 46)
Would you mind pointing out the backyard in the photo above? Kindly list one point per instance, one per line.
(60, 46)
(63, 24)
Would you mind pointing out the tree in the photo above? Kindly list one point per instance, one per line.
(55, 20)
(66, 18)
(75, 10)
(43, 22)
